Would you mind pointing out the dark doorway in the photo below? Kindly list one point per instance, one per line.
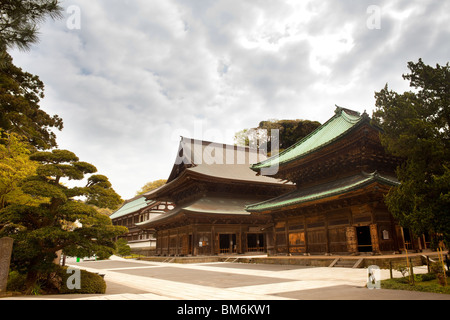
(255, 242)
(227, 243)
(364, 239)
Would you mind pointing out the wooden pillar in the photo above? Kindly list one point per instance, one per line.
(327, 237)
(286, 232)
(270, 242)
(242, 242)
(305, 227)
(213, 240)
(194, 241)
(352, 240)
(374, 238)
(168, 242)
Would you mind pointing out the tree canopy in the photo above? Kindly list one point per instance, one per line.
(63, 221)
(15, 165)
(416, 127)
(290, 131)
(20, 94)
(149, 186)
(20, 20)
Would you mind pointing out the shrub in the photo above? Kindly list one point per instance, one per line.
(90, 283)
(425, 277)
(16, 282)
(123, 248)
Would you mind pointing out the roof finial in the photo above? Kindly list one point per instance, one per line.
(365, 114)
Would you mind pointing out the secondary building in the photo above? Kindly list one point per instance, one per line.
(136, 210)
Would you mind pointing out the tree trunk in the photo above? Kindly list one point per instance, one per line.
(30, 282)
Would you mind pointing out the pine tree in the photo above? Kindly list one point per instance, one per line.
(63, 222)
(20, 19)
(416, 128)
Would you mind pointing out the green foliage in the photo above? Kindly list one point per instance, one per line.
(56, 282)
(15, 166)
(416, 127)
(99, 193)
(123, 248)
(422, 283)
(149, 186)
(20, 94)
(290, 131)
(61, 223)
(91, 283)
(16, 282)
(20, 18)
(404, 270)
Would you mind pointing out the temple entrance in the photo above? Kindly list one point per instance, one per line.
(255, 242)
(227, 243)
(203, 244)
(364, 239)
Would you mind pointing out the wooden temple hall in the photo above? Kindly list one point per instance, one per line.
(325, 196)
(210, 185)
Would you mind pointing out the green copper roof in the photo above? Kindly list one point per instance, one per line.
(329, 189)
(338, 125)
(131, 206)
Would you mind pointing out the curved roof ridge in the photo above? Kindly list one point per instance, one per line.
(342, 121)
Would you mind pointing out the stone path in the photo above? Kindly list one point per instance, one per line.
(140, 280)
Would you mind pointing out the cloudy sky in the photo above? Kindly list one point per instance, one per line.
(129, 77)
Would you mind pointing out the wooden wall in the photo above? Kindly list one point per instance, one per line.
(209, 239)
(349, 230)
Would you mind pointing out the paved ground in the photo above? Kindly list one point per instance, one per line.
(140, 280)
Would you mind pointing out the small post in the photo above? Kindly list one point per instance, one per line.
(6, 246)
(390, 269)
(428, 264)
(411, 268)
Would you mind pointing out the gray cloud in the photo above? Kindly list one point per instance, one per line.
(139, 73)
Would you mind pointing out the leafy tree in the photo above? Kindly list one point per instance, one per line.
(99, 193)
(149, 186)
(123, 248)
(290, 131)
(20, 19)
(20, 94)
(15, 165)
(63, 222)
(416, 128)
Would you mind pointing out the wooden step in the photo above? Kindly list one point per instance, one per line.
(345, 263)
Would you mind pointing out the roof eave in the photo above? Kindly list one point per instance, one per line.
(376, 179)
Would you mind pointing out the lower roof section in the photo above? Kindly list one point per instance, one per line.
(322, 191)
(131, 206)
(210, 205)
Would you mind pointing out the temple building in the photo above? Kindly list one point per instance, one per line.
(210, 186)
(136, 210)
(342, 174)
